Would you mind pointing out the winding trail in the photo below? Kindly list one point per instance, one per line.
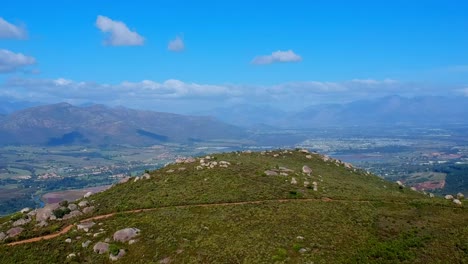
(66, 229)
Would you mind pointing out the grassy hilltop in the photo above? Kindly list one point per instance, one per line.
(259, 207)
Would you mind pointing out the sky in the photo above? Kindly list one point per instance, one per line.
(192, 56)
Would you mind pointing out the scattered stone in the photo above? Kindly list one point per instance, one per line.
(169, 171)
(83, 203)
(87, 195)
(71, 255)
(2, 236)
(414, 189)
(88, 210)
(223, 162)
(457, 202)
(306, 184)
(14, 231)
(460, 196)
(293, 180)
(107, 240)
(21, 221)
(309, 156)
(119, 255)
(137, 178)
(25, 210)
(276, 155)
(271, 173)
(126, 234)
(300, 238)
(199, 167)
(448, 197)
(132, 241)
(146, 176)
(85, 226)
(53, 217)
(303, 250)
(179, 251)
(101, 247)
(283, 174)
(399, 183)
(304, 151)
(306, 169)
(68, 240)
(86, 244)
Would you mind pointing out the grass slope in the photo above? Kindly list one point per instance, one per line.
(240, 215)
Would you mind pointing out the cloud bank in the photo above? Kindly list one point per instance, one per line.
(118, 33)
(10, 31)
(10, 61)
(277, 56)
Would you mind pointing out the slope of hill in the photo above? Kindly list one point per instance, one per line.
(63, 123)
(285, 206)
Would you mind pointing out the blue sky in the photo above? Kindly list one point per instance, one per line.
(227, 53)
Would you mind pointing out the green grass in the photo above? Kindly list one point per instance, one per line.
(352, 218)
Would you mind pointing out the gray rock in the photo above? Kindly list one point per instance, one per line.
(448, 197)
(68, 240)
(101, 248)
(2, 236)
(85, 226)
(71, 255)
(86, 244)
(25, 210)
(14, 231)
(306, 169)
(72, 207)
(146, 176)
(21, 221)
(87, 195)
(72, 214)
(457, 202)
(83, 203)
(126, 234)
(460, 196)
(88, 210)
(42, 224)
(271, 173)
(119, 255)
(167, 260)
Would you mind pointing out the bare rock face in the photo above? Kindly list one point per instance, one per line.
(126, 234)
(85, 226)
(14, 231)
(86, 244)
(88, 210)
(306, 169)
(119, 255)
(101, 247)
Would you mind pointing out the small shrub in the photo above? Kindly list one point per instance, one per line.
(114, 249)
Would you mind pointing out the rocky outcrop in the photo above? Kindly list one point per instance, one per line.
(21, 221)
(14, 231)
(101, 248)
(87, 195)
(126, 234)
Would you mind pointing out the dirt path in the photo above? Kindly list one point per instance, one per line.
(69, 227)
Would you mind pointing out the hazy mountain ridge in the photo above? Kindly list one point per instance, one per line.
(103, 125)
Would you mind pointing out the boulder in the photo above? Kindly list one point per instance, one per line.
(457, 202)
(21, 221)
(43, 214)
(306, 169)
(101, 247)
(448, 197)
(68, 240)
(87, 195)
(83, 203)
(146, 176)
(72, 214)
(72, 207)
(85, 226)
(25, 210)
(309, 156)
(460, 196)
(88, 210)
(270, 173)
(119, 255)
(2, 236)
(126, 234)
(14, 231)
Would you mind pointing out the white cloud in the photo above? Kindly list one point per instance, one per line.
(118, 33)
(10, 31)
(277, 56)
(10, 61)
(176, 44)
